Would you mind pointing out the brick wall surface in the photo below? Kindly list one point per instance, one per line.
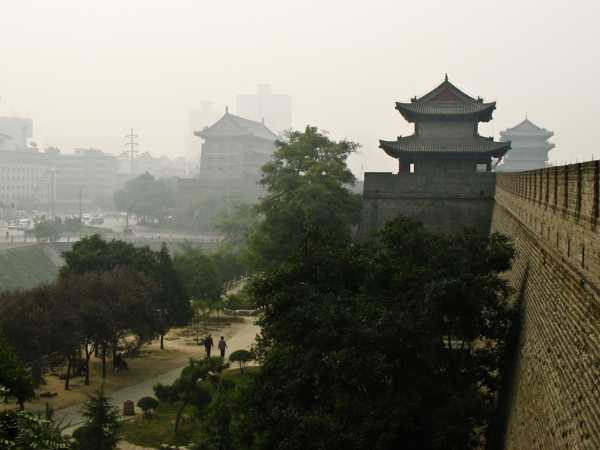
(552, 215)
(444, 202)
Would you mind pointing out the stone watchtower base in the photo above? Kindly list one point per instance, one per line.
(444, 202)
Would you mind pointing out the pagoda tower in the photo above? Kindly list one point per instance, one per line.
(446, 138)
(529, 147)
(445, 176)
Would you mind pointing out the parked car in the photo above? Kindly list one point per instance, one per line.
(96, 221)
(12, 226)
(21, 227)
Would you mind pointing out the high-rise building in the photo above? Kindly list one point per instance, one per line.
(275, 110)
(15, 133)
(199, 119)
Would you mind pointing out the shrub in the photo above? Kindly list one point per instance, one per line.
(148, 405)
(242, 357)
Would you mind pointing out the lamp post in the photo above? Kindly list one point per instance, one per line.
(47, 184)
(53, 171)
(2, 202)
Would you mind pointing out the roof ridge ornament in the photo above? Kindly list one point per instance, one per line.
(446, 77)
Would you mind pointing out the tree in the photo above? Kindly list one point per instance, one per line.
(23, 430)
(235, 226)
(149, 198)
(148, 405)
(242, 357)
(306, 184)
(398, 343)
(204, 211)
(170, 298)
(15, 379)
(187, 388)
(100, 432)
(46, 231)
(52, 328)
(112, 306)
(173, 306)
(199, 274)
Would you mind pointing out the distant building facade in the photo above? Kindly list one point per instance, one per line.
(444, 174)
(529, 147)
(233, 152)
(235, 148)
(274, 109)
(88, 172)
(24, 179)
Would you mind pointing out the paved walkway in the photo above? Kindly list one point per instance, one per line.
(242, 340)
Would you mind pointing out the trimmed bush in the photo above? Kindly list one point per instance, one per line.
(242, 357)
(147, 405)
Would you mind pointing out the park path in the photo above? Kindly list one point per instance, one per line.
(242, 340)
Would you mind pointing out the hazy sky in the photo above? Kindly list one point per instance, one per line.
(93, 69)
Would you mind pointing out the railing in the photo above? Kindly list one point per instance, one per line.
(28, 238)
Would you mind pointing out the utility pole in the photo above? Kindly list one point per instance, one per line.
(132, 144)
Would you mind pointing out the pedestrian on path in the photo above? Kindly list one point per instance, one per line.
(222, 346)
(208, 344)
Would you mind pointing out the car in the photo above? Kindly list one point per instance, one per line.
(21, 227)
(12, 226)
(96, 221)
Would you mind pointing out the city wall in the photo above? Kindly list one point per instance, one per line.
(553, 399)
(444, 202)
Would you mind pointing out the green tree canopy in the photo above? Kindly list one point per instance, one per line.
(393, 344)
(14, 377)
(46, 231)
(204, 211)
(100, 431)
(306, 183)
(188, 387)
(94, 254)
(147, 197)
(20, 430)
(199, 273)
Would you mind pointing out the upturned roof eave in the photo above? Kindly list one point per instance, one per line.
(482, 115)
(499, 151)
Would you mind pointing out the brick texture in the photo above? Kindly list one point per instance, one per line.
(444, 202)
(552, 215)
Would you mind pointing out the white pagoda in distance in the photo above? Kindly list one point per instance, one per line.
(529, 147)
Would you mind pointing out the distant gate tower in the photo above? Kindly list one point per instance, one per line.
(529, 147)
(444, 174)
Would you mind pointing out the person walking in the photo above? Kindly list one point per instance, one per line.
(222, 346)
(208, 344)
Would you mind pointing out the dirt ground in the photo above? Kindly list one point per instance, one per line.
(151, 362)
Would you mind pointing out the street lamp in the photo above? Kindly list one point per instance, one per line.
(47, 184)
(53, 171)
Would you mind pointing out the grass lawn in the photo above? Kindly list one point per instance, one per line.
(160, 429)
